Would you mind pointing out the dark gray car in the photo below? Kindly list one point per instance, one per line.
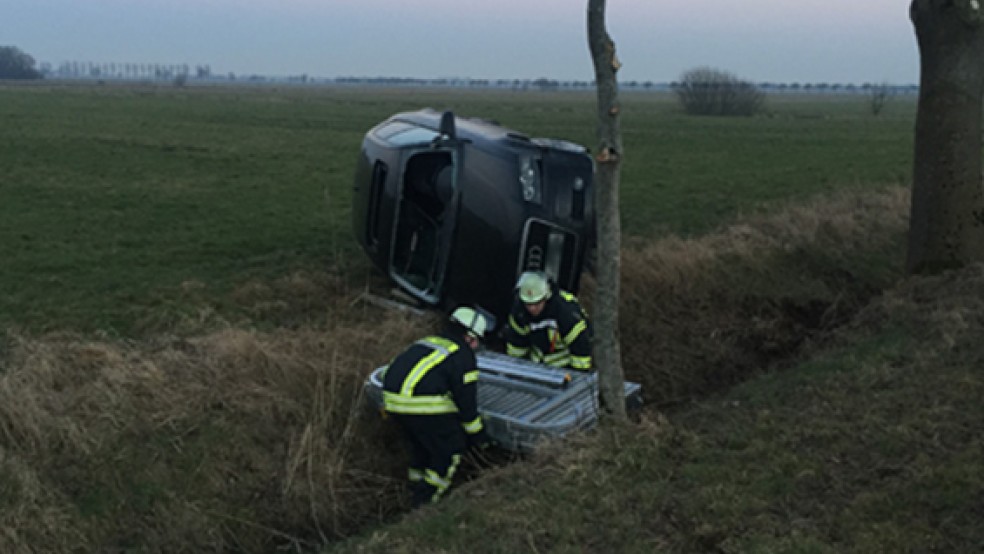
(453, 209)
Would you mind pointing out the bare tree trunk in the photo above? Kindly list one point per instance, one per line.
(946, 228)
(607, 355)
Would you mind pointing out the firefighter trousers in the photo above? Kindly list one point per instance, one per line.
(435, 443)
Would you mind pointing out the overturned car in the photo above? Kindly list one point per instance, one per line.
(453, 209)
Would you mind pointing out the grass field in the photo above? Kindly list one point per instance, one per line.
(202, 394)
(116, 202)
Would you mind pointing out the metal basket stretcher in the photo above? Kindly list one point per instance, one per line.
(523, 403)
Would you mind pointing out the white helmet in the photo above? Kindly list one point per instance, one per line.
(471, 320)
(534, 286)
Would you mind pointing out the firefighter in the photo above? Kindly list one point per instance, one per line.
(547, 325)
(430, 390)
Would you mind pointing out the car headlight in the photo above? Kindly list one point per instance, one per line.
(529, 179)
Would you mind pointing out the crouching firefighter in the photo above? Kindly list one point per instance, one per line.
(430, 390)
(547, 325)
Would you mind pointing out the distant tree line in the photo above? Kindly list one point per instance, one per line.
(134, 71)
(15, 64)
(540, 83)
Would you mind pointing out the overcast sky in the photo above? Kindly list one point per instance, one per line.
(832, 41)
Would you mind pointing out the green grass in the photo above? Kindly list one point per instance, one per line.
(693, 173)
(113, 197)
(815, 400)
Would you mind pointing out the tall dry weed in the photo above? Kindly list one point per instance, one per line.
(235, 440)
(700, 314)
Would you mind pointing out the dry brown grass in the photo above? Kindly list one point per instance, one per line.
(222, 437)
(700, 314)
(234, 440)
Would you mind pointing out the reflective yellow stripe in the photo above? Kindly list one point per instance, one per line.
(432, 404)
(571, 298)
(442, 349)
(557, 359)
(473, 426)
(439, 482)
(438, 342)
(419, 370)
(470, 377)
(581, 362)
(561, 355)
(515, 326)
(572, 336)
(516, 350)
(455, 460)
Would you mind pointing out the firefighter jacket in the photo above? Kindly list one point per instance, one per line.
(435, 375)
(560, 336)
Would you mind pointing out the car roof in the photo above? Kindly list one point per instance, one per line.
(485, 133)
(476, 130)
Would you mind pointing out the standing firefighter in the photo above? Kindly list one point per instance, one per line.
(430, 389)
(547, 325)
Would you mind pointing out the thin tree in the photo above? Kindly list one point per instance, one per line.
(608, 356)
(946, 227)
(878, 97)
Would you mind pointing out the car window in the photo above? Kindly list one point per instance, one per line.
(416, 135)
(400, 133)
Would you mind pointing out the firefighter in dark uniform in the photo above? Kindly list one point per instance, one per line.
(430, 390)
(547, 325)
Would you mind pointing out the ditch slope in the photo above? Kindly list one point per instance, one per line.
(223, 437)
